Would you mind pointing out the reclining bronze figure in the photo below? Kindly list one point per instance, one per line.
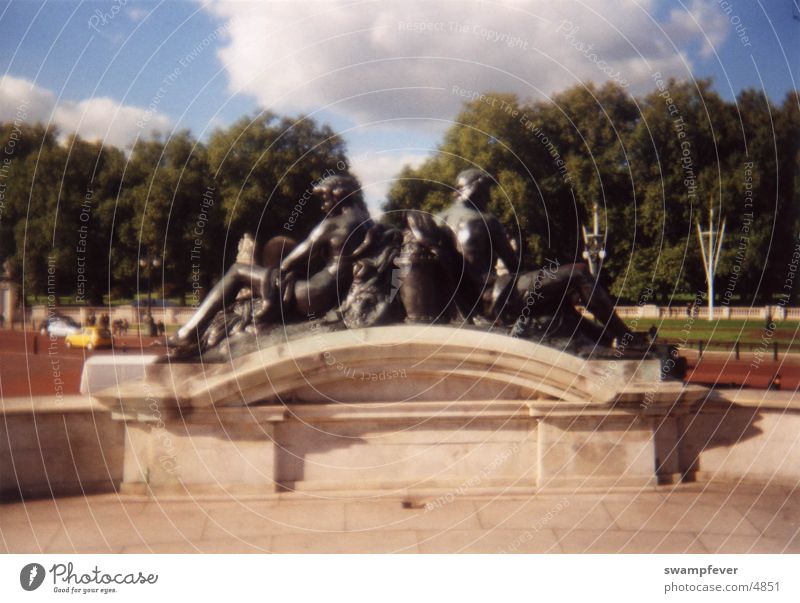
(458, 266)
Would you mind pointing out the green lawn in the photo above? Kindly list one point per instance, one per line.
(724, 333)
(68, 301)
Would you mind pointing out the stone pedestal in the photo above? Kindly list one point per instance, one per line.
(607, 449)
(400, 409)
(212, 452)
(103, 372)
(58, 446)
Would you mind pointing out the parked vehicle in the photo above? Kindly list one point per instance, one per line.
(90, 338)
(59, 326)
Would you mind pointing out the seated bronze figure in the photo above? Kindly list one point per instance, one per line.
(458, 266)
(512, 296)
(311, 280)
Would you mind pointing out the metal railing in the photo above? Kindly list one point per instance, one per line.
(172, 315)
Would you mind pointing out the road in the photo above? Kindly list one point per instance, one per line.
(33, 364)
(29, 369)
(744, 373)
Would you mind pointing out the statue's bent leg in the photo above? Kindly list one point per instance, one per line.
(322, 292)
(593, 296)
(237, 277)
(546, 289)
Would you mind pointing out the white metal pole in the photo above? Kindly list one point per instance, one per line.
(710, 257)
(710, 254)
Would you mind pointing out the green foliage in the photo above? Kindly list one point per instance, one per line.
(262, 166)
(78, 217)
(652, 164)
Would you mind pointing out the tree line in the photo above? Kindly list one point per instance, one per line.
(652, 164)
(77, 217)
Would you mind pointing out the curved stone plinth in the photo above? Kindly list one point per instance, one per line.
(391, 364)
(71, 446)
(399, 407)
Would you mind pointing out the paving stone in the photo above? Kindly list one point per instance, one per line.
(153, 529)
(27, 537)
(313, 518)
(619, 541)
(550, 513)
(258, 545)
(718, 543)
(691, 518)
(391, 515)
(489, 541)
(395, 541)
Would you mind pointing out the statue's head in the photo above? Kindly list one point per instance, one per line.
(338, 191)
(474, 186)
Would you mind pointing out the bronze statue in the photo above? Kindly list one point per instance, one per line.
(481, 240)
(315, 276)
(457, 266)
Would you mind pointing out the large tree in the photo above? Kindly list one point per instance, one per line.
(93, 212)
(263, 169)
(653, 165)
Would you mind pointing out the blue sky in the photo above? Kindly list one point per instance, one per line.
(382, 73)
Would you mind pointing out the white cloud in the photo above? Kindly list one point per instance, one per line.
(94, 119)
(388, 65)
(104, 119)
(387, 59)
(377, 169)
(20, 99)
(704, 22)
(137, 13)
(369, 62)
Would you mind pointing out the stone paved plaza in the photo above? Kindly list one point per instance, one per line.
(690, 518)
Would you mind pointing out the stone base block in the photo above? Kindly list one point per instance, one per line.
(204, 452)
(399, 408)
(58, 447)
(459, 447)
(608, 449)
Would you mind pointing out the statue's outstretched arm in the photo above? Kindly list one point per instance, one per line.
(502, 246)
(303, 253)
(239, 275)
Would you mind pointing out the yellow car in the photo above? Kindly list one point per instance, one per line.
(89, 338)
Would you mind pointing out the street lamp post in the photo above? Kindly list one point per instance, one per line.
(710, 245)
(594, 249)
(150, 263)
